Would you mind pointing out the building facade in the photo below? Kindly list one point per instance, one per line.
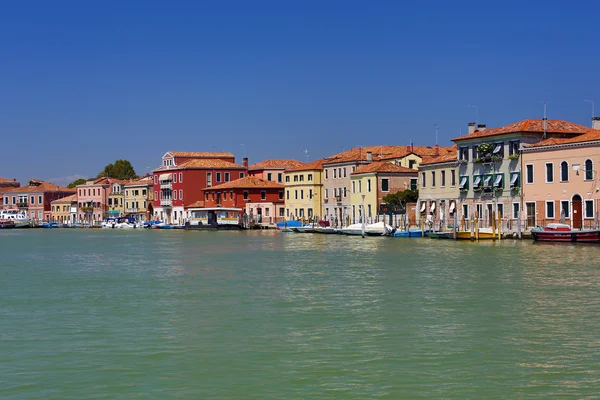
(182, 177)
(92, 201)
(138, 198)
(263, 201)
(273, 170)
(34, 200)
(304, 192)
(7, 185)
(64, 210)
(116, 199)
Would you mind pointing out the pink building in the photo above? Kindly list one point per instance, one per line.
(34, 200)
(92, 200)
(272, 170)
(560, 181)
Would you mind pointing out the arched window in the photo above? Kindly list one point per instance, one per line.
(589, 169)
(564, 171)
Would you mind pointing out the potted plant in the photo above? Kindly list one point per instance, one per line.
(462, 162)
(484, 150)
(514, 156)
(497, 158)
(477, 160)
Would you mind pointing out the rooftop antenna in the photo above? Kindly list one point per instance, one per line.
(436, 133)
(591, 101)
(244, 146)
(476, 113)
(545, 121)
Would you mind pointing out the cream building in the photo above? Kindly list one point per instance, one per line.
(138, 197)
(64, 210)
(304, 192)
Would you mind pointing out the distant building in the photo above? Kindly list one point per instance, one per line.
(35, 199)
(92, 200)
(304, 192)
(64, 210)
(139, 197)
(6, 185)
(273, 170)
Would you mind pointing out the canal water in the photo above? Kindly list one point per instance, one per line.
(98, 314)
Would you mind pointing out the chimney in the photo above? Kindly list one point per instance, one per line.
(245, 162)
(596, 122)
(412, 148)
(481, 127)
(408, 148)
(471, 128)
(369, 156)
(437, 150)
(545, 124)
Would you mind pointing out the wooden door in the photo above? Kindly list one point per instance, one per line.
(577, 212)
(530, 207)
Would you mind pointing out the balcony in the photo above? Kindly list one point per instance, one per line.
(132, 210)
(338, 199)
(166, 184)
(22, 204)
(166, 202)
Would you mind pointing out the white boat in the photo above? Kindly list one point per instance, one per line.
(354, 229)
(214, 218)
(378, 229)
(19, 219)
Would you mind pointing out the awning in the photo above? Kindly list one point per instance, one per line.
(113, 212)
(513, 179)
(486, 181)
(476, 182)
(165, 177)
(463, 182)
(432, 207)
(497, 148)
(498, 180)
(423, 207)
(452, 207)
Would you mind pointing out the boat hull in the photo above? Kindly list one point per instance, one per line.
(591, 236)
(440, 235)
(466, 235)
(412, 233)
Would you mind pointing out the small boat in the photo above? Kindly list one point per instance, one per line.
(354, 229)
(563, 233)
(412, 233)
(49, 225)
(378, 229)
(286, 226)
(304, 229)
(327, 230)
(215, 218)
(484, 234)
(20, 220)
(441, 235)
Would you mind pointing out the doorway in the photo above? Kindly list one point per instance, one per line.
(577, 212)
(530, 207)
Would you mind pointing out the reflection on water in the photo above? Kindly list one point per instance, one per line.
(270, 315)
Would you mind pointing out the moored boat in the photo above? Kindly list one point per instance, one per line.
(563, 233)
(483, 234)
(440, 235)
(215, 218)
(19, 220)
(413, 233)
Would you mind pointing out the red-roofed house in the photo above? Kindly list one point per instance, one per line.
(489, 169)
(6, 185)
(374, 181)
(182, 177)
(272, 170)
(35, 199)
(561, 180)
(262, 200)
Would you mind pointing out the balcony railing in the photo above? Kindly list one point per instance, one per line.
(22, 205)
(166, 184)
(132, 210)
(166, 202)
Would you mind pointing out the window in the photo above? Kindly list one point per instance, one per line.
(310, 213)
(218, 177)
(180, 194)
(411, 163)
(499, 149)
(501, 209)
(443, 178)
(476, 181)
(529, 168)
(245, 195)
(269, 176)
(549, 172)
(155, 195)
(180, 178)
(301, 178)
(280, 195)
(280, 177)
(295, 195)
(287, 178)
(413, 183)
(281, 211)
(475, 155)
(339, 172)
(295, 178)
(226, 176)
(156, 179)
(32, 200)
(452, 178)
(325, 173)
(564, 171)
(174, 194)
(287, 194)
(423, 180)
(550, 209)
(589, 170)
(241, 175)
(368, 185)
(589, 208)
(344, 191)
(309, 177)
(263, 194)
(360, 186)
(499, 181)
(353, 186)
(465, 210)
(516, 210)
(208, 179)
(564, 207)
(267, 212)
(301, 194)
(344, 172)
(464, 182)
(369, 209)
(326, 193)
(514, 179)
(310, 194)
(385, 185)
(174, 180)
(334, 173)
(513, 147)
(463, 153)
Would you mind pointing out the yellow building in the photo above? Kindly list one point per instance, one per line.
(138, 198)
(116, 199)
(64, 210)
(304, 192)
(374, 181)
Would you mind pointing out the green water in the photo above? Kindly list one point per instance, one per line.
(93, 314)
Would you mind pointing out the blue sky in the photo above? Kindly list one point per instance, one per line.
(83, 85)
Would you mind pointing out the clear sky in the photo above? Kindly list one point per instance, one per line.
(85, 83)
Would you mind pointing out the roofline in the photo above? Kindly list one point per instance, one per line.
(559, 146)
(448, 163)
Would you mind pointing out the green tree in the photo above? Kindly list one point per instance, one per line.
(121, 169)
(397, 201)
(73, 184)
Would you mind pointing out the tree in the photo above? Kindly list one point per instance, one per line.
(73, 184)
(121, 169)
(397, 201)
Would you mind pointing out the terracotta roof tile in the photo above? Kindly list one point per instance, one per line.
(275, 164)
(384, 166)
(380, 153)
(3, 180)
(69, 199)
(201, 154)
(35, 186)
(196, 204)
(442, 158)
(590, 136)
(530, 126)
(248, 182)
(311, 166)
(203, 163)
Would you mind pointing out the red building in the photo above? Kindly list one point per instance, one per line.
(35, 198)
(262, 200)
(182, 177)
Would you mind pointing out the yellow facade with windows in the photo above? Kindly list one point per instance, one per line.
(363, 185)
(138, 198)
(304, 192)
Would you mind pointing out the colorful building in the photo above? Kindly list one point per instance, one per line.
(560, 181)
(182, 177)
(260, 199)
(489, 170)
(273, 170)
(139, 197)
(371, 182)
(412, 156)
(92, 200)
(34, 200)
(6, 185)
(116, 198)
(304, 191)
(64, 210)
